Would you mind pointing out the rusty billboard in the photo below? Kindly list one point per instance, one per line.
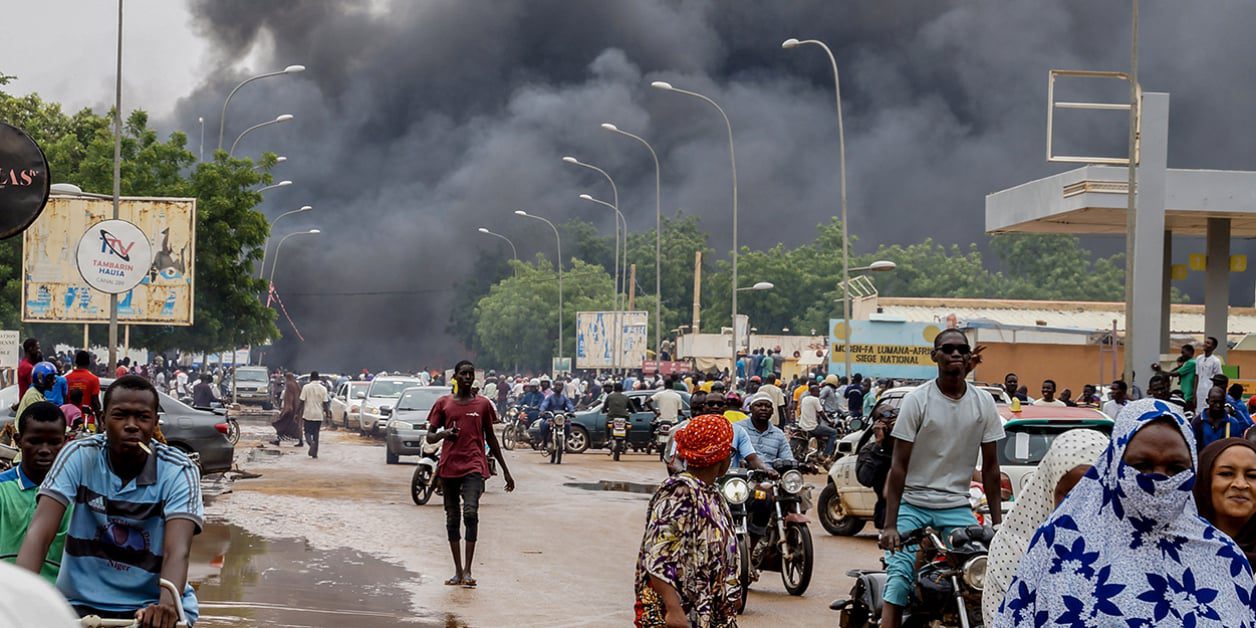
(53, 290)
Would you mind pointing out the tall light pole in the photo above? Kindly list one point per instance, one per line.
(757, 287)
(274, 264)
(201, 120)
(619, 323)
(278, 120)
(266, 243)
(559, 240)
(658, 235)
(283, 183)
(732, 156)
(879, 266)
(222, 118)
(117, 188)
(620, 282)
(841, 156)
(514, 253)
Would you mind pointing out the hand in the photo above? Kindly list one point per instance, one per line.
(772, 473)
(889, 539)
(451, 433)
(975, 360)
(157, 616)
(510, 483)
(676, 619)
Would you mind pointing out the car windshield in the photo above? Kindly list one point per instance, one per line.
(1026, 444)
(418, 399)
(358, 387)
(390, 389)
(250, 375)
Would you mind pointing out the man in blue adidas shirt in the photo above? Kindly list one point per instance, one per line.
(133, 519)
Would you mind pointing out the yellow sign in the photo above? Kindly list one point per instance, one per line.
(1198, 261)
(1238, 263)
(53, 291)
(894, 355)
(1178, 272)
(840, 330)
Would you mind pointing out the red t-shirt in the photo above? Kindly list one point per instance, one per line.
(86, 381)
(464, 455)
(24, 369)
(121, 371)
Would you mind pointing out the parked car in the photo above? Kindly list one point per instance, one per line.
(408, 424)
(846, 505)
(588, 428)
(202, 432)
(381, 396)
(346, 404)
(252, 386)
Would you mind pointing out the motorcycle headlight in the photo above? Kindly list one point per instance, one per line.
(791, 481)
(399, 425)
(736, 491)
(975, 573)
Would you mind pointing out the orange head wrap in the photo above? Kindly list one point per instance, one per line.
(707, 440)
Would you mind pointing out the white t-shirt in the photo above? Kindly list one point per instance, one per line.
(1112, 408)
(1054, 403)
(668, 403)
(947, 435)
(809, 412)
(314, 395)
(1205, 368)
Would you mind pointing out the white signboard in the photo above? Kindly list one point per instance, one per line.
(597, 341)
(113, 256)
(10, 349)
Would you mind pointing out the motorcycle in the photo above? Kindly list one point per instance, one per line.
(557, 441)
(735, 488)
(617, 428)
(949, 582)
(807, 449)
(423, 483)
(785, 545)
(516, 430)
(662, 431)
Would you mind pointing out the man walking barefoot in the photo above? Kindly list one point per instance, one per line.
(465, 422)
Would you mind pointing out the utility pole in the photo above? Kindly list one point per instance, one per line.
(1131, 198)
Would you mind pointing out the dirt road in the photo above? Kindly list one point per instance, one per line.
(550, 554)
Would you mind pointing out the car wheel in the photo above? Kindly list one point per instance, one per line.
(390, 457)
(833, 517)
(578, 442)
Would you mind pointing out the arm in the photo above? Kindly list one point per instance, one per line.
(435, 421)
(43, 529)
(894, 492)
(990, 481)
(174, 567)
(674, 612)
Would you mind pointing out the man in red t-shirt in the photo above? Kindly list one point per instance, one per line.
(31, 356)
(464, 421)
(82, 378)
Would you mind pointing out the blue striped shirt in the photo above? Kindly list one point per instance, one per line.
(113, 551)
(770, 444)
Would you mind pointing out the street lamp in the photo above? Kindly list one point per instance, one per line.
(266, 243)
(658, 233)
(278, 120)
(879, 266)
(732, 156)
(222, 119)
(619, 216)
(278, 160)
(762, 285)
(559, 240)
(841, 156)
(277, 185)
(513, 252)
(620, 282)
(279, 247)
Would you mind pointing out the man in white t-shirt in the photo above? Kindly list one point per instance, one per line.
(1207, 366)
(1048, 395)
(666, 403)
(809, 410)
(312, 408)
(770, 389)
(1119, 396)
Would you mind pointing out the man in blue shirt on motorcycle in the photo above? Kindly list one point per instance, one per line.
(531, 399)
(556, 402)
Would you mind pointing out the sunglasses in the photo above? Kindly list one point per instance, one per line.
(948, 349)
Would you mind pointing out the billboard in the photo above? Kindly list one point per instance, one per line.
(596, 339)
(53, 290)
(899, 350)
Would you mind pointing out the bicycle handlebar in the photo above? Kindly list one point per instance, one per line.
(92, 621)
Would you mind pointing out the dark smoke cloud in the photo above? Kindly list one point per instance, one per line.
(418, 122)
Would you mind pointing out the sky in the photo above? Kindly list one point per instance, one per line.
(418, 121)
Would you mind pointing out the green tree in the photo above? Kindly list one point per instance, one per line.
(682, 237)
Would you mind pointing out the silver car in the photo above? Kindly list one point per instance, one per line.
(408, 425)
(381, 396)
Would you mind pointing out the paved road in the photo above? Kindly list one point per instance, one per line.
(550, 554)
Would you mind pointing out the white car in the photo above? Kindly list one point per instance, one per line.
(381, 396)
(346, 404)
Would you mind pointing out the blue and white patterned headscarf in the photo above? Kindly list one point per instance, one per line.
(1129, 549)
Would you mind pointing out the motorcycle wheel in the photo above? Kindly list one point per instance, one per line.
(615, 456)
(233, 430)
(743, 576)
(420, 491)
(796, 573)
(508, 438)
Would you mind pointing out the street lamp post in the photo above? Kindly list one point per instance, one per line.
(658, 235)
(514, 253)
(732, 156)
(559, 240)
(283, 183)
(266, 243)
(879, 266)
(619, 323)
(759, 285)
(278, 160)
(620, 282)
(274, 264)
(222, 118)
(841, 145)
(278, 120)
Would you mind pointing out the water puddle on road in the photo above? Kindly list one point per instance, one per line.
(608, 485)
(242, 579)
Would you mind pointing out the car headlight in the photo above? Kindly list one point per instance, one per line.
(369, 409)
(399, 425)
(975, 573)
(736, 491)
(791, 481)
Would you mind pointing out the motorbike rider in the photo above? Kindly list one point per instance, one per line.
(531, 398)
(873, 462)
(43, 378)
(617, 405)
(829, 399)
(809, 420)
(743, 452)
(557, 402)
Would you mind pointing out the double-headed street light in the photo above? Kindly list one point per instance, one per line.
(559, 240)
(658, 234)
(279, 247)
(278, 120)
(514, 253)
(732, 156)
(266, 243)
(222, 118)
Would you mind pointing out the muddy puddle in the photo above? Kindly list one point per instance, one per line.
(242, 579)
(608, 485)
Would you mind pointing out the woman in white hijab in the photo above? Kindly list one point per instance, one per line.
(1070, 457)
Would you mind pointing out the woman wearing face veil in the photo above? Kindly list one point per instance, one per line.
(1127, 547)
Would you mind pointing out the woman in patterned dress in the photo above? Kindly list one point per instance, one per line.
(688, 565)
